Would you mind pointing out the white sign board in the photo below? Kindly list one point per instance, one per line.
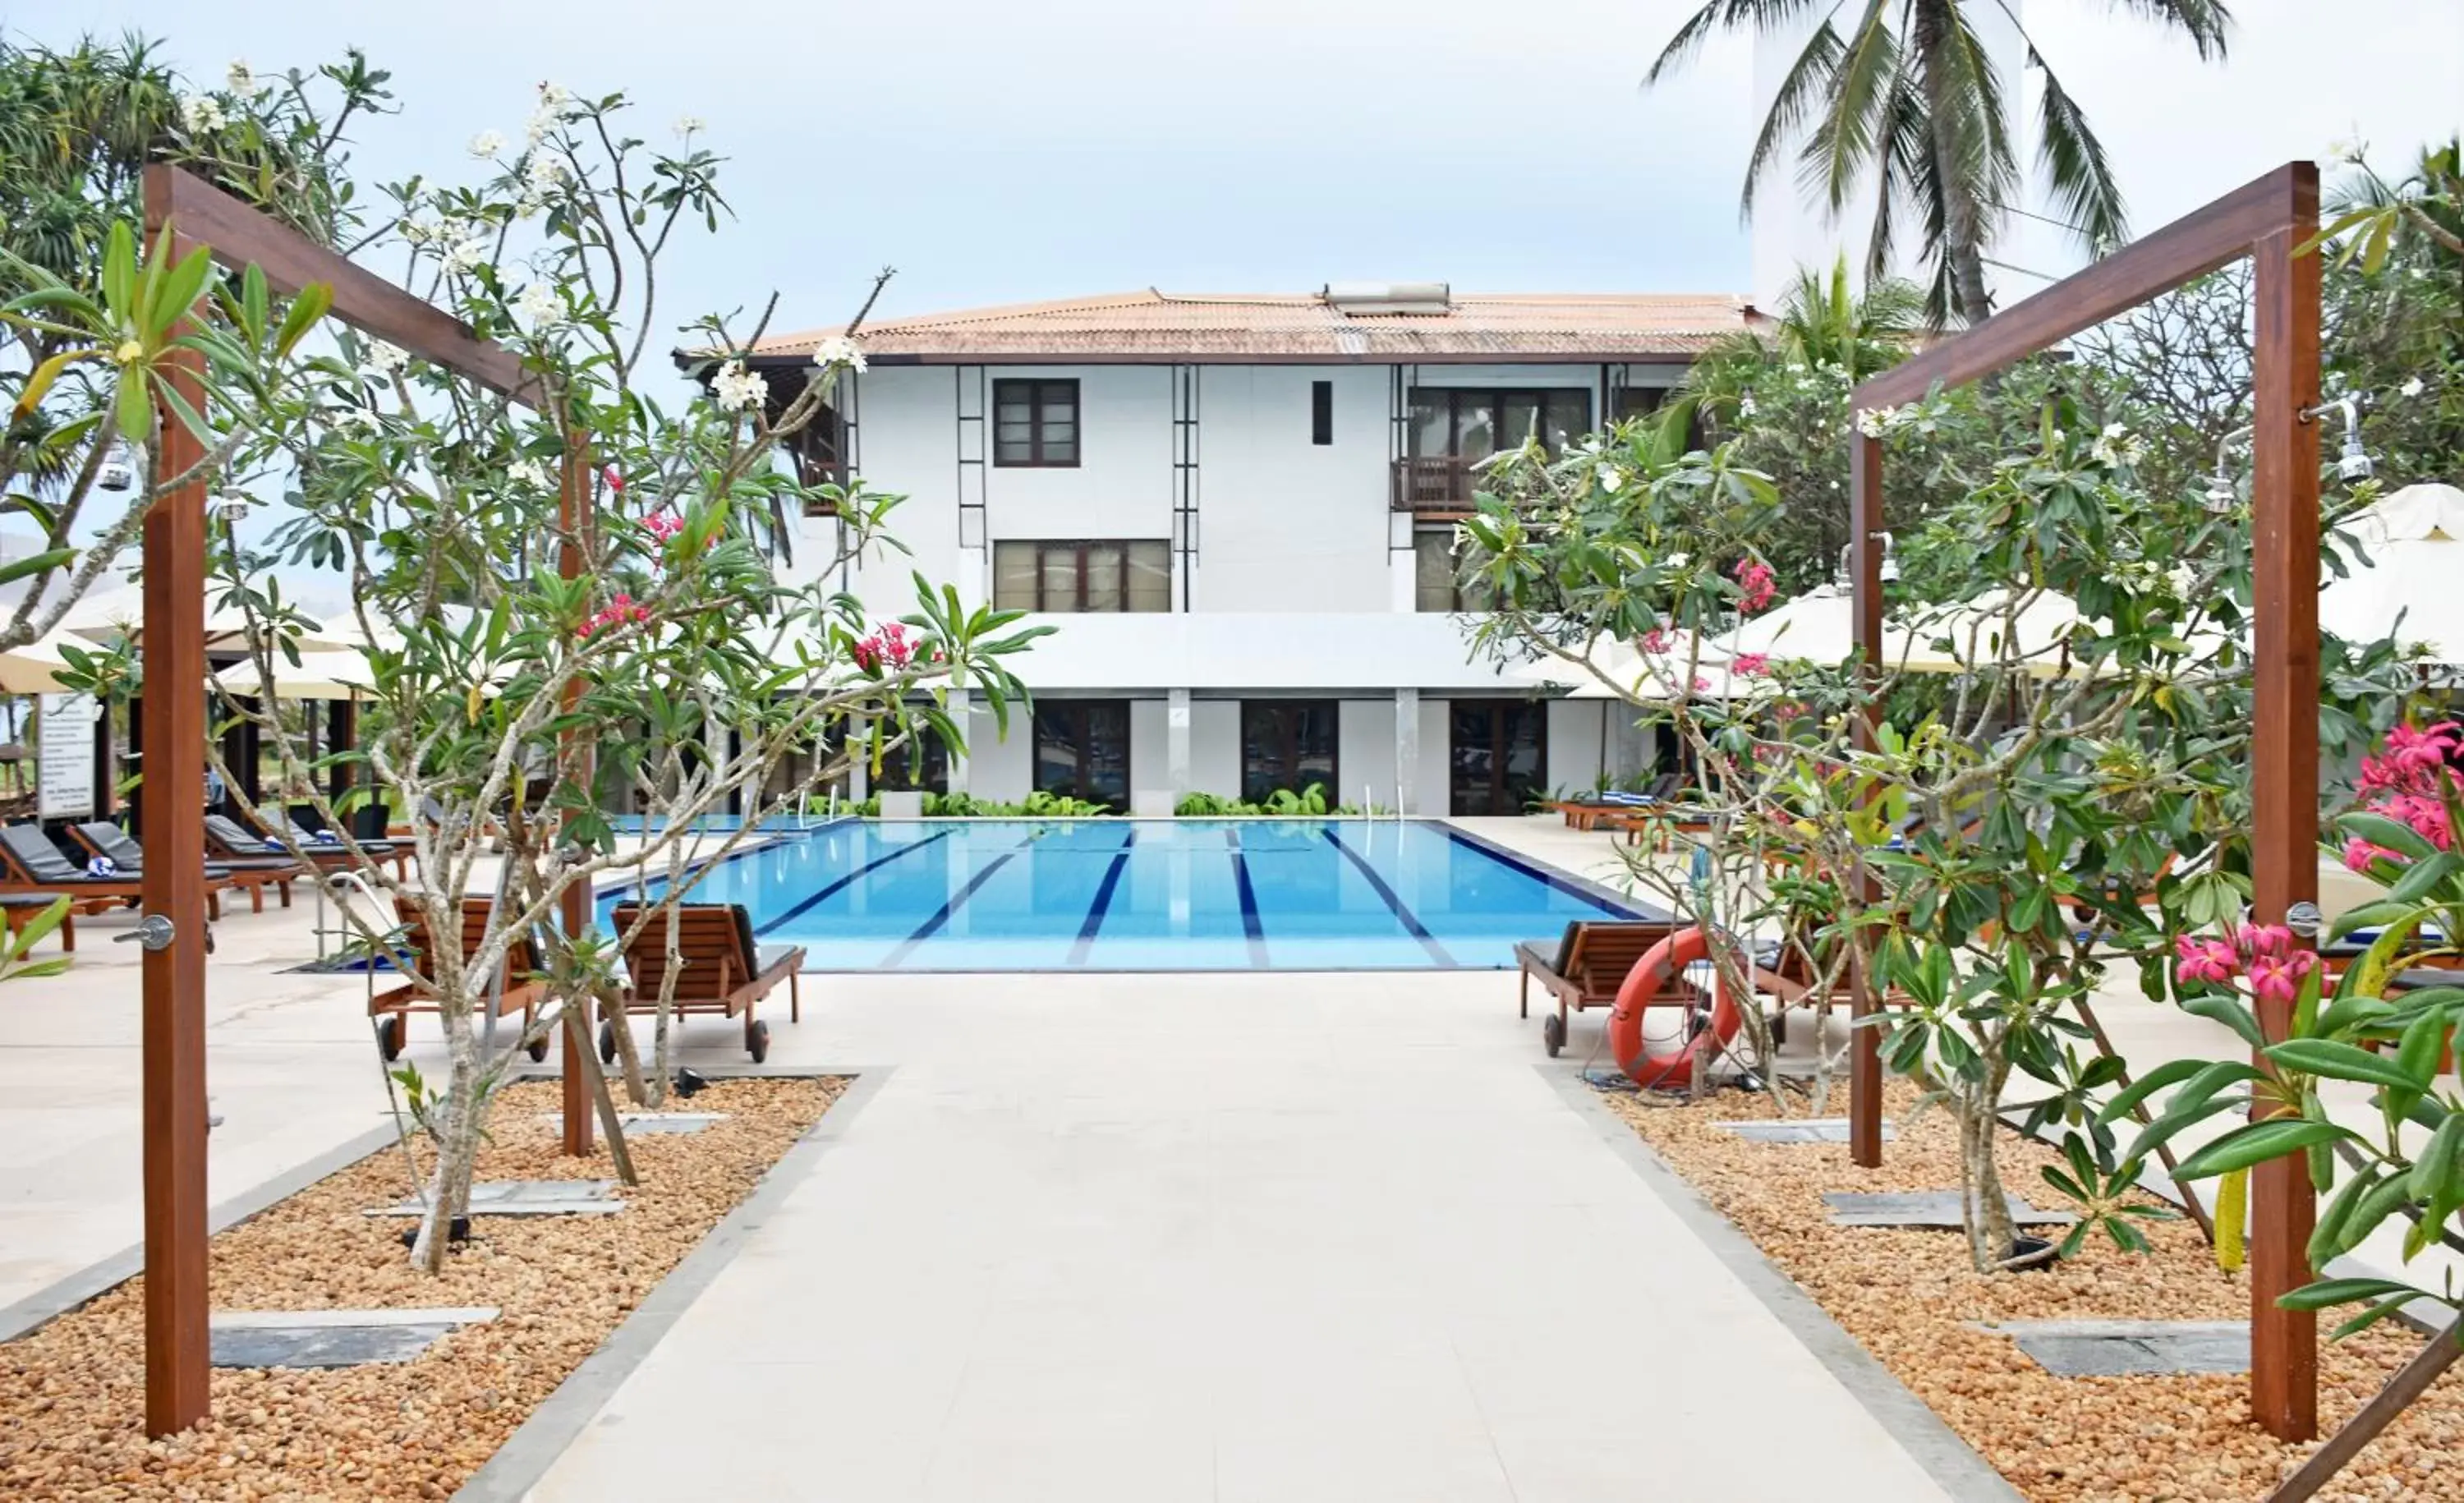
(64, 750)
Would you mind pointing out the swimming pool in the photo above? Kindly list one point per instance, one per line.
(1146, 896)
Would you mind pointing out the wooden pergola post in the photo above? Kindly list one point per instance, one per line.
(1865, 542)
(173, 748)
(2267, 220)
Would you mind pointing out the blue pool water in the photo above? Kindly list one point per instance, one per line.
(1144, 896)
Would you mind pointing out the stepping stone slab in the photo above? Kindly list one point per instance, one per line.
(2131, 1348)
(1927, 1209)
(333, 1338)
(1799, 1130)
(651, 1124)
(528, 1198)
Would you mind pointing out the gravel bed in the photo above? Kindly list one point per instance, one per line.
(1910, 1296)
(72, 1394)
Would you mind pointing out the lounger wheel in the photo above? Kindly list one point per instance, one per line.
(607, 1041)
(392, 1032)
(1553, 1034)
(756, 1041)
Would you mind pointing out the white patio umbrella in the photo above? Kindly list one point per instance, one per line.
(1819, 627)
(2407, 590)
(35, 667)
(330, 674)
(104, 615)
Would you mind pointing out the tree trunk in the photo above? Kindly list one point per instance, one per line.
(1963, 217)
(459, 1127)
(1985, 1208)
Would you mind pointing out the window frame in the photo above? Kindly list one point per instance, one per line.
(1322, 413)
(1463, 605)
(1036, 388)
(1290, 747)
(1047, 546)
(1496, 398)
(1081, 715)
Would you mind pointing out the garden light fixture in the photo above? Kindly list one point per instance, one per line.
(118, 470)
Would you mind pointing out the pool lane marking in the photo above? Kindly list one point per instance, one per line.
(1103, 903)
(1249, 921)
(1403, 914)
(833, 889)
(957, 900)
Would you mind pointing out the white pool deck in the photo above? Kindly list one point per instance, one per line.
(1272, 1236)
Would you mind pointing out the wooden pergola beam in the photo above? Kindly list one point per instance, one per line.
(2267, 220)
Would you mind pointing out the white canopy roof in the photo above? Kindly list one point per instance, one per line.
(2409, 588)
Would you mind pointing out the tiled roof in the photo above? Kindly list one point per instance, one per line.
(1151, 326)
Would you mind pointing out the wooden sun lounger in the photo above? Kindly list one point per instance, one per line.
(33, 865)
(228, 839)
(419, 951)
(721, 970)
(1586, 966)
(21, 909)
(251, 873)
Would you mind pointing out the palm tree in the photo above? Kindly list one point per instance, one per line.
(1907, 98)
(1823, 323)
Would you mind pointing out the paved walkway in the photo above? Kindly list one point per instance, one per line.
(1273, 1238)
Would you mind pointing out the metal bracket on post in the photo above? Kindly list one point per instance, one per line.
(153, 931)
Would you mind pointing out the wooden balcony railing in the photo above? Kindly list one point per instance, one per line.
(1440, 484)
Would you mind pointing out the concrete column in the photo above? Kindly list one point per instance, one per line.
(1175, 742)
(1407, 750)
(959, 711)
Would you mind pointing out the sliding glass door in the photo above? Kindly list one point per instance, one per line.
(1498, 757)
(1082, 750)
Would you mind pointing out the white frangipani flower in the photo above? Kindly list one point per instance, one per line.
(241, 79)
(464, 256)
(554, 96)
(738, 389)
(545, 171)
(1875, 422)
(2410, 388)
(688, 126)
(1745, 405)
(200, 114)
(531, 472)
(486, 144)
(417, 230)
(839, 350)
(1612, 478)
(382, 360)
(542, 304)
(347, 419)
(2346, 148)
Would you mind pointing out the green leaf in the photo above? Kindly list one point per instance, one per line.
(2171, 1072)
(2230, 1011)
(177, 293)
(136, 411)
(2257, 1144)
(40, 564)
(2340, 1291)
(2341, 1061)
(305, 311)
(120, 273)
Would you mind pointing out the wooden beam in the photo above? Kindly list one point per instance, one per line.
(2284, 766)
(2410, 1381)
(237, 235)
(2191, 246)
(178, 1346)
(1866, 543)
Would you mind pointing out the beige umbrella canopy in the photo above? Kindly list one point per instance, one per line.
(105, 616)
(339, 673)
(34, 667)
(2414, 541)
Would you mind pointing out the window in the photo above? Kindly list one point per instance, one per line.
(1321, 412)
(1465, 423)
(1035, 424)
(1082, 750)
(1082, 576)
(1498, 755)
(1435, 562)
(1288, 743)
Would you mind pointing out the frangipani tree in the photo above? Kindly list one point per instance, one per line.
(2013, 820)
(563, 601)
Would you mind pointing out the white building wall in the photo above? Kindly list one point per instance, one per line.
(1000, 769)
(1432, 794)
(1574, 742)
(1364, 751)
(1150, 759)
(905, 419)
(1215, 747)
(1286, 524)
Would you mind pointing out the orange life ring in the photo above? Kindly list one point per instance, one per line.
(1663, 963)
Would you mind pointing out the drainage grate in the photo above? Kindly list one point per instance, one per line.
(1927, 1209)
(2131, 1348)
(528, 1198)
(333, 1338)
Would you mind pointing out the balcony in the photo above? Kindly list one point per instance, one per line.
(1436, 486)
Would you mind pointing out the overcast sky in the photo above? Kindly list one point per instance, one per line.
(995, 152)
